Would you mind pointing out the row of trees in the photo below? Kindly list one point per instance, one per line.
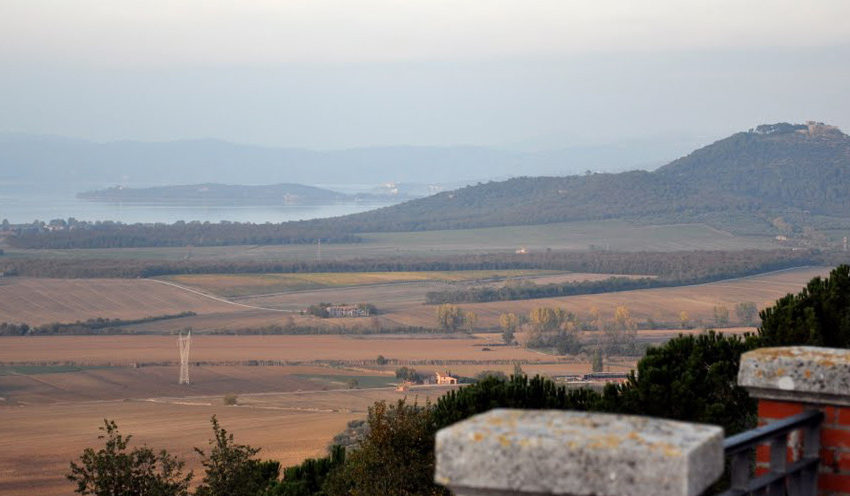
(98, 325)
(449, 319)
(746, 313)
(674, 266)
(452, 318)
(528, 290)
(107, 234)
(557, 328)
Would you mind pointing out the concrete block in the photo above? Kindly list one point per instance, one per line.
(540, 452)
(801, 374)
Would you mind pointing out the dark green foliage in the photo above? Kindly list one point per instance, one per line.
(498, 374)
(526, 292)
(230, 469)
(320, 310)
(596, 363)
(693, 378)
(397, 456)
(308, 478)
(354, 434)
(689, 378)
(408, 374)
(517, 392)
(567, 343)
(681, 268)
(114, 470)
(819, 315)
(109, 234)
(9, 329)
(778, 166)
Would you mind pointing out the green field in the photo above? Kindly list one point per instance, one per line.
(38, 369)
(343, 381)
(613, 235)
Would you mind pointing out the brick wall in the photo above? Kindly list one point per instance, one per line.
(821, 384)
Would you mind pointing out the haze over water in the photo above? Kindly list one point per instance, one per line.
(25, 202)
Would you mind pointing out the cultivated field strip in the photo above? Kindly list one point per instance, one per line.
(618, 235)
(91, 350)
(237, 285)
(38, 441)
(41, 301)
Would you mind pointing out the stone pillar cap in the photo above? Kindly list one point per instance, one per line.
(577, 453)
(802, 374)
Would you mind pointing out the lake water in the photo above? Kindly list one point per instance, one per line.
(24, 203)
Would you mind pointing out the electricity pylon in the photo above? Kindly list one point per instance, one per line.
(183, 343)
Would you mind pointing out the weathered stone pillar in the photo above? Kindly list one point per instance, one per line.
(788, 381)
(547, 452)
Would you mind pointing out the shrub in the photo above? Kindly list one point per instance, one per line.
(114, 469)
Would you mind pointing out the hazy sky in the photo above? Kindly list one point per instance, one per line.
(343, 73)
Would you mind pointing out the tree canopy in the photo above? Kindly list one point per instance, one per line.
(116, 469)
(819, 315)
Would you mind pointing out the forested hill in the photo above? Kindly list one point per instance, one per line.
(801, 166)
(774, 179)
(769, 171)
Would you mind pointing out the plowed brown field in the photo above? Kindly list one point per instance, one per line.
(41, 301)
(102, 350)
(37, 442)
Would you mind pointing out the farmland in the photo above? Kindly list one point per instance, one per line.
(291, 411)
(38, 441)
(405, 306)
(235, 285)
(55, 390)
(40, 301)
(614, 235)
(105, 350)
(400, 303)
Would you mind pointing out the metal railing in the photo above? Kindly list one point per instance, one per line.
(797, 478)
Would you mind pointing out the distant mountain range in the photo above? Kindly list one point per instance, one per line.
(773, 178)
(47, 159)
(777, 178)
